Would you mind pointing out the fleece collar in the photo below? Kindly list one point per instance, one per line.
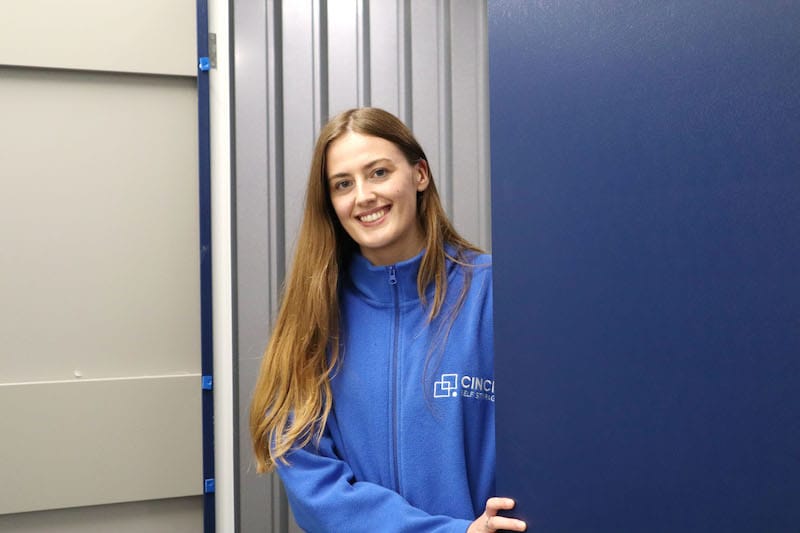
(375, 282)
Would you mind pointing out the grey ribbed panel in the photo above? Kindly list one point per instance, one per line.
(345, 68)
(469, 122)
(251, 250)
(299, 62)
(259, 248)
(425, 79)
(390, 56)
(301, 82)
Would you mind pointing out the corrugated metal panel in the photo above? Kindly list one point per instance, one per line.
(297, 64)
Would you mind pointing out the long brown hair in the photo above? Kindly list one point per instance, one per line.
(292, 397)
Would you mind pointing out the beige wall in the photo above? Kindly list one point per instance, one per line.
(99, 268)
(154, 516)
(146, 36)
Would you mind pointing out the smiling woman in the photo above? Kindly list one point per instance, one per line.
(385, 306)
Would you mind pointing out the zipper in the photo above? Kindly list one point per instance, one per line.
(395, 376)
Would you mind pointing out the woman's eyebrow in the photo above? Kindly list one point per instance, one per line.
(368, 165)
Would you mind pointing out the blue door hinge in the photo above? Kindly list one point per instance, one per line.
(207, 383)
(207, 63)
(208, 485)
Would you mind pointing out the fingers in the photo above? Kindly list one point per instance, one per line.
(496, 504)
(495, 523)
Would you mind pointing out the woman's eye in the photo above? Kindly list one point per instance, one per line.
(380, 172)
(341, 185)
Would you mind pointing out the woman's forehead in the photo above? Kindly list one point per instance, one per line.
(352, 151)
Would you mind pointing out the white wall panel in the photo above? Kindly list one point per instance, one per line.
(88, 442)
(100, 285)
(99, 360)
(147, 36)
(98, 220)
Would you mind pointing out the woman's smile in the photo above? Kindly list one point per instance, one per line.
(375, 217)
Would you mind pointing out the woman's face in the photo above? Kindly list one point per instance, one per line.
(373, 189)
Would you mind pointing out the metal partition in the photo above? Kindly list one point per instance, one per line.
(647, 295)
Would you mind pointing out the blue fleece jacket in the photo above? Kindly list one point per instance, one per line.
(409, 445)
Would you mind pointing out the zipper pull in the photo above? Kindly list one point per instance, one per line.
(392, 275)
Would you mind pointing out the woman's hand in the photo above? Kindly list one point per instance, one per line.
(490, 522)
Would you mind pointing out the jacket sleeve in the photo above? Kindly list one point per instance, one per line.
(326, 498)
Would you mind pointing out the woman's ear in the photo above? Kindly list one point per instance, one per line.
(421, 175)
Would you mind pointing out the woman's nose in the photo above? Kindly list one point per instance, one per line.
(364, 192)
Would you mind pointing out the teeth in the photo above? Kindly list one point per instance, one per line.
(373, 216)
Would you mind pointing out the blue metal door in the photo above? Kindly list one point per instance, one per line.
(646, 239)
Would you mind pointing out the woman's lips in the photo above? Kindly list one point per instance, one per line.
(373, 216)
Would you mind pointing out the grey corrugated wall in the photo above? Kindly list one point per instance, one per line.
(299, 62)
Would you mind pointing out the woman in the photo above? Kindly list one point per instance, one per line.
(375, 396)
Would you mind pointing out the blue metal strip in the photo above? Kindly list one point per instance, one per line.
(207, 350)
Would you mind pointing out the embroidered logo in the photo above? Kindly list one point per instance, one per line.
(445, 387)
(453, 385)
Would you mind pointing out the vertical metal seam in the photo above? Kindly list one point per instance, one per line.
(363, 54)
(484, 204)
(445, 64)
(404, 73)
(324, 87)
(275, 153)
(319, 38)
(276, 232)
